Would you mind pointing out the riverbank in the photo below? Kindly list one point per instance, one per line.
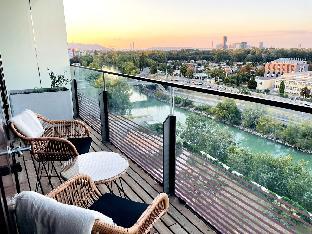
(162, 97)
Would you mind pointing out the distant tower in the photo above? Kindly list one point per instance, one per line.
(261, 45)
(212, 44)
(225, 42)
(243, 45)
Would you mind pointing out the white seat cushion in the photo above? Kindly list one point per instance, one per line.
(28, 124)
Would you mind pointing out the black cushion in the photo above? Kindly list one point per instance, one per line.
(82, 144)
(124, 212)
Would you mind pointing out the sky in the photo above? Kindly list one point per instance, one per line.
(189, 23)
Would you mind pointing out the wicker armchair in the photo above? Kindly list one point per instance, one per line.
(53, 145)
(82, 192)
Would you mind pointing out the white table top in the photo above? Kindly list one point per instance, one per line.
(99, 166)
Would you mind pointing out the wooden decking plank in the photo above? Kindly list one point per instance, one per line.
(178, 229)
(183, 214)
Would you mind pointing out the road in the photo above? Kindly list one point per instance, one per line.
(212, 100)
(208, 84)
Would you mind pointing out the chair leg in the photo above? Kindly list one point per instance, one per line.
(121, 189)
(26, 170)
(57, 174)
(48, 173)
(40, 172)
(37, 174)
(110, 187)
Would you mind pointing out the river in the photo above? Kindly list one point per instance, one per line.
(150, 110)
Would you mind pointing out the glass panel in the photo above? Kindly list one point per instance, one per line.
(88, 96)
(255, 156)
(137, 112)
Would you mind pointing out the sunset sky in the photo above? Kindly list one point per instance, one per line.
(192, 23)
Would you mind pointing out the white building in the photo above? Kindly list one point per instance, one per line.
(264, 83)
(200, 76)
(294, 82)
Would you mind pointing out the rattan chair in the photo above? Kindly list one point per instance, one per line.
(82, 192)
(53, 145)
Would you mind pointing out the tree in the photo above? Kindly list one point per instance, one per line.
(260, 71)
(282, 88)
(129, 68)
(143, 61)
(252, 83)
(304, 141)
(97, 62)
(305, 92)
(202, 135)
(156, 127)
(85, 60)
(189, 72)
(290, 134)
(228, 112)
(269, 126)
(246, 69)
(281, 175)
(250, 117)
(183, 70)
(119, 92)
(154, 68)
(217, 74)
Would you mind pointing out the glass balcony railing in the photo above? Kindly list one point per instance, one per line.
(242, 163)
(134, 123)
(88, 96)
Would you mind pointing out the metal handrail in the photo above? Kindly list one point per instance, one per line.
(18, 150)
(242, 97)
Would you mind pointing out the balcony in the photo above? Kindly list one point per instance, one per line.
(221, 156)
(209, 193)
(215, 180)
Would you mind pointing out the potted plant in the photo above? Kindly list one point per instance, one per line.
(54, 102)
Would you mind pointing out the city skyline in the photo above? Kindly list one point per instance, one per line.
(197, 24)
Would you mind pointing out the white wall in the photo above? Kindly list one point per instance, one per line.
(17, 44)
(51, 38)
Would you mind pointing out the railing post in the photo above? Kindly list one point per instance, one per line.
(75, 98)
(169, 154)
(103, 98)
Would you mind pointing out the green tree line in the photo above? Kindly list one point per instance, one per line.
(131, 62)
(297, 134)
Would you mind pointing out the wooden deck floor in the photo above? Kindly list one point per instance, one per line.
(138, 186)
